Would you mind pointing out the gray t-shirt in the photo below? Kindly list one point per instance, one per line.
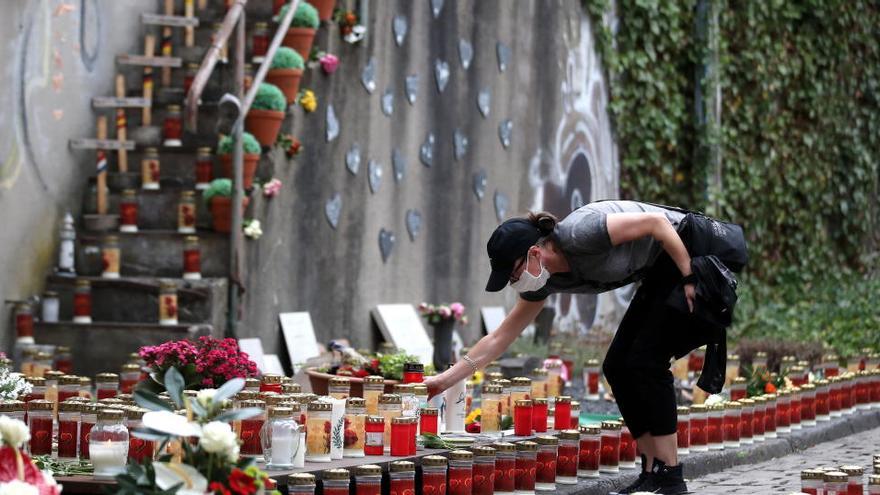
(596, 265)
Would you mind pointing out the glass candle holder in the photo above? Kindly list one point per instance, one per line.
(251, 444)
(428, 420)
(301, 484)
(609, 450)
(683, 431)
(554, 378)
(88, 418)
(505, 468)
(51, 376)
(461, 474)
(409, 405)
(400, 436)
(589, 451)
(483, 470)
(434, 475)
(738, 388)
(747, 413)
(150, 169)
(812, 481)
(279, 438)
(38, 388)
(567, 457)
(834, 397)
(24, 321)
(335, 482)
(591, 378)
(402, 478)
(108, 444)
(835, 483)
(167, 303)
(769, 415)
(545, 466)
(731, 423)
(290, 388)
(68, 386)
(110, 257)
(520, 389)
(794, 408)
(192, 258)
(260, 41)
(539, 415)
(139, 449)
(374, 437)
(339, 387)
(874, 484)
(413, 372)
(15, 409)
(506, 405)
(186, 213)
(522, 418)
(82, 302)
(270, 382)
(172, 127)
(783, 412)
(491, 410)
(355, 427)
(758, 418)
(106, 385)
(562, 413)
(368, 480)
(374, 387)
(129, 376)
(855, 479)
(204, 168)
(526, 467)
(627, 447)
(539, 383)
(318, 431)
(128, 211)
(390, 406)
(575, 415)
(68, 429)
(715, 427)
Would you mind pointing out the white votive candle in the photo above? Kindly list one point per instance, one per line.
(108, 458)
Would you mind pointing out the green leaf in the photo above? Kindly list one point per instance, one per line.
(150, 434)
(149, 400)
(238, 414)
(228, 390)
(174, 384)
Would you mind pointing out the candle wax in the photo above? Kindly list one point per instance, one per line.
(609, 454)
(484, 478)
(588, 455)
(525, 474)
(567, 461)
(460, 480)
(505, 474)
(433, 483)
(546, 467)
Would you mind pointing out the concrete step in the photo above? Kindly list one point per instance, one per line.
(130, 299)
(102, 346)
(157, 209)
(154, 253)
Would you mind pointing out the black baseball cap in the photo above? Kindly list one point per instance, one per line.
(510, 242)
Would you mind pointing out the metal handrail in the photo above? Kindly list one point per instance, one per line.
(235, 16)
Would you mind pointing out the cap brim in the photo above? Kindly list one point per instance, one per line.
(498, 280)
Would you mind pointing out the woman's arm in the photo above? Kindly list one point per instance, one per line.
(626, 227)
(489, 347)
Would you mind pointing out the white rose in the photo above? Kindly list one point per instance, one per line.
(232, 455)
(13, 431)
(16, 487)
(205, 396)
(218, 437)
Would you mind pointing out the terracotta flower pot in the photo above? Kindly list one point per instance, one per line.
(300, 39)
(287, 80)
(248, 169)
(264, 125)
(320, 383)
(325, 8)
(221, 212)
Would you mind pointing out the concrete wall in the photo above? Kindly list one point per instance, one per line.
(561, 155)
(57, 54)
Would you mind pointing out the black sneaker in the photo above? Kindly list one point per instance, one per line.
(638, 485)
(665, 479)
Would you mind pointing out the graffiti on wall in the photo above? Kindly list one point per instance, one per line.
(578, 167)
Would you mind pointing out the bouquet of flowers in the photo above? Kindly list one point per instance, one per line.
(18, 474)
(437, 313)
(206, 363)
(12, 385)
(206, 458)
(763, 382)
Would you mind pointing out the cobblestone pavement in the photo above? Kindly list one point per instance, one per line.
(782, 475)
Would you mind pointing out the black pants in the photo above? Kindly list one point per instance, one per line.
(638, 360)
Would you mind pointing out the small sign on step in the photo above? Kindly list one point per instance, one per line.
(101, 144)
(299, 337)
(114, 102)
(254, 350)
(401, 325)
(126, 59)
(169, 20)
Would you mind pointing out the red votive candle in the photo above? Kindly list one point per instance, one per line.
(40, 426)
(82, 302)
(172, 126)
(250, 429)
(403, 478)
(88, 418)
(335, 482)
(413, 372)
(139, 450)
(411, 436)
(505, 468)
(714, 427)
(260, 40)
(855, 475)
(545, 465)
(822, 405)
(106, 385)
(699, 440)
(588, 453)
(783, 411)
(68, 429)
(567, 457)
(128, 211)
(627, 448)
(68, 386)
(522, 418)
(794, 409)
(609, 450)
(374, 441)
(434, 475)
(428, 420)
(770, 415)
(730, 424)
(746, 420)
(526, 466)
(484, 471)
(400, 436)
(591, 370)
(539, 414)
(738, 388)
(562, 413)
(461, 473)
(204, 168)
(683, 431)
(270, 383)
(368, 479)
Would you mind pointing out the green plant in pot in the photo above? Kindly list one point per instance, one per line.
(286, 71)
(302, 30)
(218, 198)
(251, 148)
(266, 114)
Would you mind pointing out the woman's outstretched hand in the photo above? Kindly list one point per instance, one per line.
(690, 293)
(435, 386)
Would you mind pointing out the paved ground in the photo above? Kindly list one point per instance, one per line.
(782, 475)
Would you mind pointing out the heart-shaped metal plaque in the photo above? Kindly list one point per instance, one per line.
(436, 7)
(501, 205)
(398, 163)
(412, 88)
(461, 144)
(465, 53)
(353, 159)
(332, 210)
(374, 173)
(505, 129)
(368, 76)
(332, 124)
(399, 27)
(388, 102)
(426, 151)
(503, 52)
(480, 183)
(484, 101)
(413, 224)
(386, 243)
(441, 74)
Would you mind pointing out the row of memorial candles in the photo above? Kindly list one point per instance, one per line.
(111, 260)
(842, 480)
(150, 170)
(129, 208)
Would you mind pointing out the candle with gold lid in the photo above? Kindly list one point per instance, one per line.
(539, 383)
(108, 444)
(339, 387)
(150, 169)
(374, 387)
(520, 388)
(186, 213)
(167, 303)
(110, 257)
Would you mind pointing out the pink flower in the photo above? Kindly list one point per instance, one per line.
(457, 309)
(445, 312)
(329, 63)
(271, 188)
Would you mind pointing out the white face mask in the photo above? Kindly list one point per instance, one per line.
(530, 283)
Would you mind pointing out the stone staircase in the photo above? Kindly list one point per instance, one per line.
(125, 310)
